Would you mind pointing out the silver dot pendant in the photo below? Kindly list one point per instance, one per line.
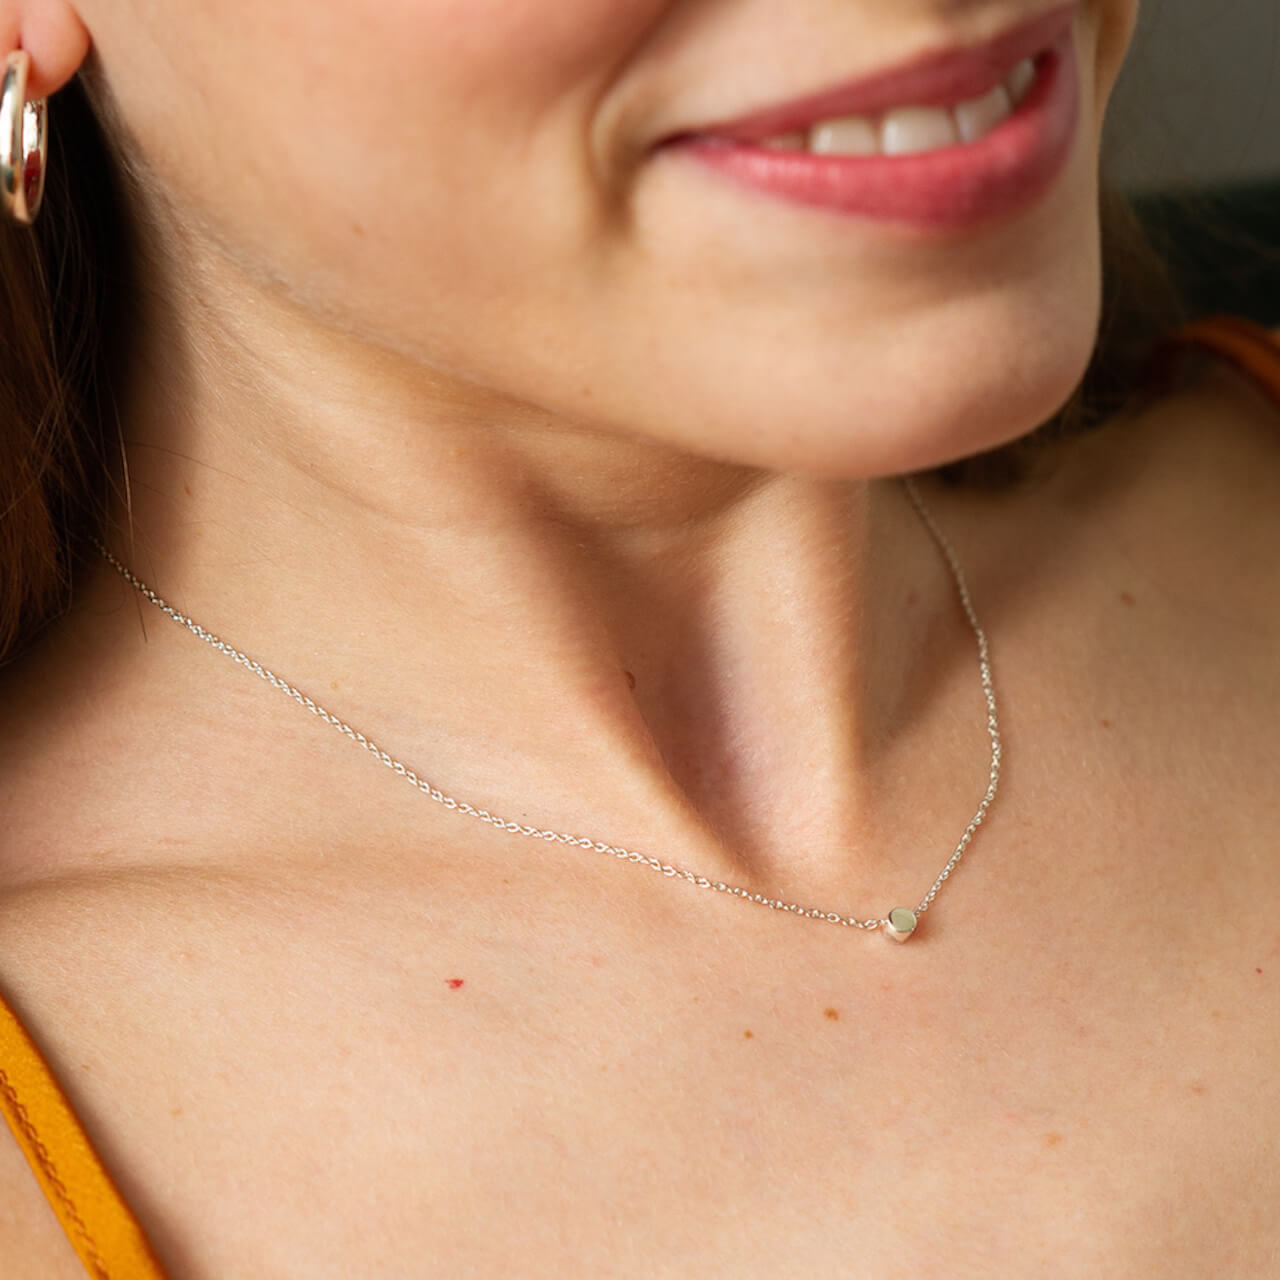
(900, 924)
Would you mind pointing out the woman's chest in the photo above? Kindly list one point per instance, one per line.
(283, 1094)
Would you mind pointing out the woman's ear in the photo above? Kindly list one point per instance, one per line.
(51, 32)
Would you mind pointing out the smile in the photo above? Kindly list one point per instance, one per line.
(912, 129)
(947, 143)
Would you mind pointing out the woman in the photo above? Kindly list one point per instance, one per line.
(527, 383)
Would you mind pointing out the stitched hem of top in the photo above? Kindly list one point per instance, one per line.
(50, 1172)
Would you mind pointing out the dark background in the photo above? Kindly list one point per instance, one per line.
(1194, 135)
(1199, 98)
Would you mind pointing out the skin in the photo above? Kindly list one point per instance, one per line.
(560, 469)
(356, 364)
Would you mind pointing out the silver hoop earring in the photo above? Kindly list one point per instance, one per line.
(24, 142)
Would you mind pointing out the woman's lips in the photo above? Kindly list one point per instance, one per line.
(937, 79)
(949, 188)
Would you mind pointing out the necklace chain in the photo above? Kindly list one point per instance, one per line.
(898, 928)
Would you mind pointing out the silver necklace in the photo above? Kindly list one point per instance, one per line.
(899, 923)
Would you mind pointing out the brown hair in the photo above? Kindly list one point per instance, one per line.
(65, 292)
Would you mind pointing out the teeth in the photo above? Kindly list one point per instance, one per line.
(1021, 79)
(910, 130)
(850, 136)
(976, 119)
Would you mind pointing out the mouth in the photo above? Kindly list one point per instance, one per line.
(907, 130)
(946, 141)
(938, 99)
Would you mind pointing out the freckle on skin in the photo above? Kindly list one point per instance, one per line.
(1128, 599)
(333, 684)
(748, 1035)
(631, 680)
(1052, 1139)
(833, 1014)
(186, 488)
(1106, 724)
(453, 983)
(1259, 970)
(1199, 1088)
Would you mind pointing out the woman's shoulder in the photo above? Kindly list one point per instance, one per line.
(1181, 494)
(1132, 586)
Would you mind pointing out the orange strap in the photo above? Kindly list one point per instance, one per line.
(99, 1224)
(1251, 348)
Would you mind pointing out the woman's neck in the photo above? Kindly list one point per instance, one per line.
(563, 625)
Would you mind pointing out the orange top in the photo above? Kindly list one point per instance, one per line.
(1248, 346)
(93, 1213)
(99, 1224)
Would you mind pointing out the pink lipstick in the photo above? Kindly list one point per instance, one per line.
(954, 185)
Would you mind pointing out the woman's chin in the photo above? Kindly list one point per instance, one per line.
(884, 422)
